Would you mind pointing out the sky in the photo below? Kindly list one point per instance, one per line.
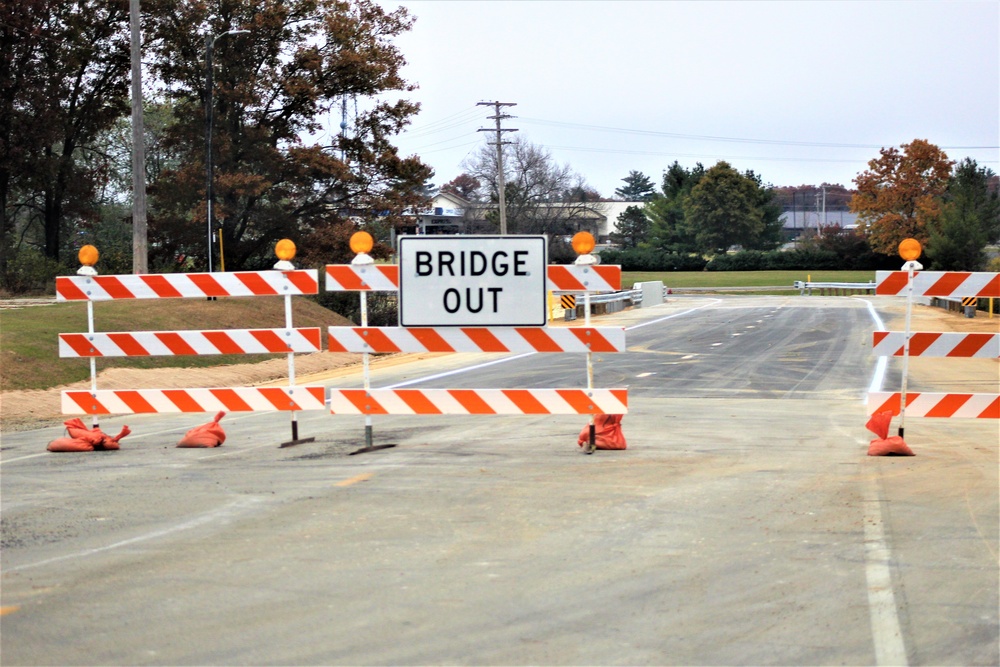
(800, 92)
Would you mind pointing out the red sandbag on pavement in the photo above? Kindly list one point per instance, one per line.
(884, 445)
(206, 435)
(83, 439)
(607, 433)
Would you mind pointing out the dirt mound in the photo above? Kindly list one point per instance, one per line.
(21, 410)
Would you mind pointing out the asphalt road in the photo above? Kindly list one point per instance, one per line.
(744, 524)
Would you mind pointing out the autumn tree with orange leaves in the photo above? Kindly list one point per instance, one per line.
(901, 194)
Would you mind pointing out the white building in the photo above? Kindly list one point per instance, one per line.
(451, 214)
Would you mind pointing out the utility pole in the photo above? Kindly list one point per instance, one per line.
(824, 211)
(499, 144)
(140, 254)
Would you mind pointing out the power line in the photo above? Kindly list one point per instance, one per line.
(743, 140)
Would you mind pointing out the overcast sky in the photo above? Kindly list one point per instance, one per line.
(800, 92)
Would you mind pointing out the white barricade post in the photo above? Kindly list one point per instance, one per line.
(474, 294)
(911, 282)
(284, 281)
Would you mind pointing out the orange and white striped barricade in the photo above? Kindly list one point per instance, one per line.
(939, 283)
(283, 281)
(187, 285)
(942, 405)
(584, 278)
(177, 343)
(933, 344)
(228, 399)
(364, 276)
(913, 281)
(478, 401)
(476, 339)
(561, 278)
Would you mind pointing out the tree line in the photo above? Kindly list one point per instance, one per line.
(65, 150)
(914, 191)
(65, 145)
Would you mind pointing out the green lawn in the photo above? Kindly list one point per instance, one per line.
(743, 278)
(29, 337)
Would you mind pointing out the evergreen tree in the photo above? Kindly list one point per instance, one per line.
(668, 230)
(631, 228)
(723, 210)
(970, 220)
(637, 187)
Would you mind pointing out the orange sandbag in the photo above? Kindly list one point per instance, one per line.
(206, 435)
(70, 445)
(78, 431)
(607, 432)
(83, 439)
(883, 445)
(112, 443)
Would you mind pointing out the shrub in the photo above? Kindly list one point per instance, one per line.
(29, 271)
(649, 259)
(382, 307)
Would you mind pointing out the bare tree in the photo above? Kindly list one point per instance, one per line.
(541, 196)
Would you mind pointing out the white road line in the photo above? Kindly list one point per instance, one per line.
(887, 636)
(528, 354)
(880, 365)
(670, 317)
(22, 458)
(460, 370)
(886, 633)
(230, 510)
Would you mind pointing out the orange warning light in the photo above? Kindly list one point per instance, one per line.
(910, 249)
(583, 243)
(361, 242)
(285, 250)
(88, 255)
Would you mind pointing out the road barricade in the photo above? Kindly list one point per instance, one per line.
(452, 258)
(949, 345)
(284, 282)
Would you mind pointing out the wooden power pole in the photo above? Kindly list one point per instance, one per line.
(139, 245)
(499, 144)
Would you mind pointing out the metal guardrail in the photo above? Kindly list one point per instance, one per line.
(804, 287)
(612, 297)
(635, 295)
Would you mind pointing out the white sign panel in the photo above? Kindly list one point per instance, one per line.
(472, 281)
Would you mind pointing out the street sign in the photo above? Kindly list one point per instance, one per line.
(472, 281)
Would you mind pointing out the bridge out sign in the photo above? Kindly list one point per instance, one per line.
(472, 281)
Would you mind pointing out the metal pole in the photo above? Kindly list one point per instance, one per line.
(365, 369)
(591, 444)
(906, 347)
(140, 261)
(291, 365)
(209, 43)
(93, 361)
